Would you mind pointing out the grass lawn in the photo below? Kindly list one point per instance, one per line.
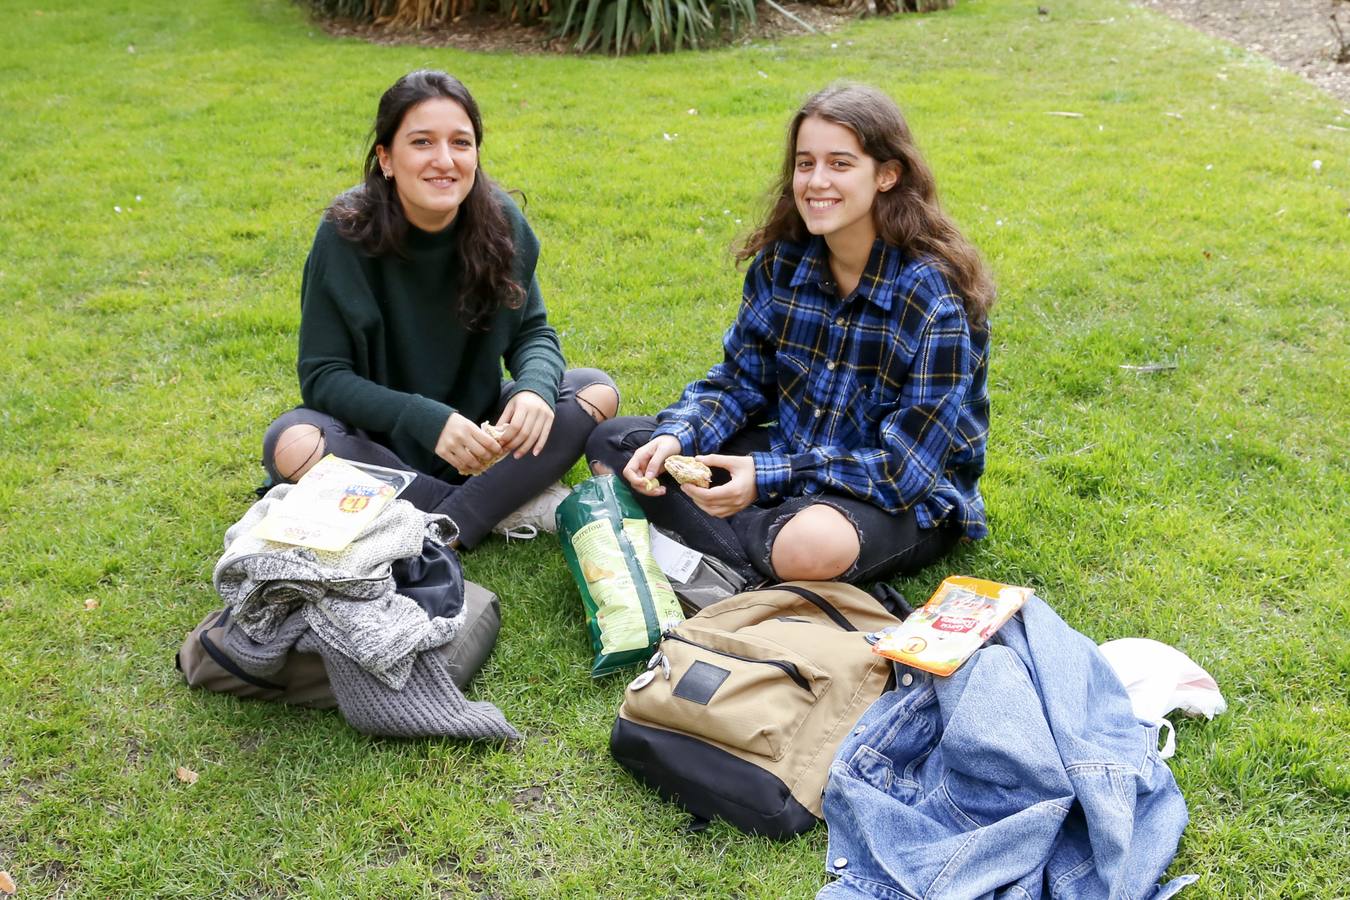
(166, 167)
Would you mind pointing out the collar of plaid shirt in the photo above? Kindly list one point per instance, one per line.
(878, 277)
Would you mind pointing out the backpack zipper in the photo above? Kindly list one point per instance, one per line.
(788, 668)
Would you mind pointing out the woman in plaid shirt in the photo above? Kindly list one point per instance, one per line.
(846, 424)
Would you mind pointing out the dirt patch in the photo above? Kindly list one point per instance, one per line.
(1295, 34)
(532, 800)
(490, 34)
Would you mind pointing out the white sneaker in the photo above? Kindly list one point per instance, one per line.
(535, 516)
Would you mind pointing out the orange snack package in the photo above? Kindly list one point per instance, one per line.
(961, 615)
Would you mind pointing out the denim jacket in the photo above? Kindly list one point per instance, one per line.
(1024, 774)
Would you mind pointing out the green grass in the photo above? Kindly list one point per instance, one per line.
(146, 350)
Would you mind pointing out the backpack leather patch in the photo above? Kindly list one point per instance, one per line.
(700, 682)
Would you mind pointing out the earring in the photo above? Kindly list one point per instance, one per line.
(388, 176)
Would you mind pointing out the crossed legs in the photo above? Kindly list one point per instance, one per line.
(300, 446)
(301, 437)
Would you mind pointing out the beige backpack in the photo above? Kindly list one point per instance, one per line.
(741, 710)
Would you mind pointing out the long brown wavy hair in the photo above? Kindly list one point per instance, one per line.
(907, 216)
(372, 216)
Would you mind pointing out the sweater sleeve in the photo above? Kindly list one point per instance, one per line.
(339, 319)
(534, 354)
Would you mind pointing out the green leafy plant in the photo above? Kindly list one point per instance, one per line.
(622, 26)
(609, 26)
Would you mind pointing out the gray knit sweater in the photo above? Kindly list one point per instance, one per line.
(344, 605)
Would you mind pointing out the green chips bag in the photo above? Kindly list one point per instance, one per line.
(627, 598)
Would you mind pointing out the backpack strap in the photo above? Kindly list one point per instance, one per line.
(893, 600)
(819, 602)
(229, 665)
(697, 823)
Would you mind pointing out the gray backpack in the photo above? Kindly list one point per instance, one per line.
(303, 680)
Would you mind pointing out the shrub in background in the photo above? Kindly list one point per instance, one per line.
(609, 26)
(648, 26)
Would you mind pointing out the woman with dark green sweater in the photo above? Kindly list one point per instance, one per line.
(420, 285)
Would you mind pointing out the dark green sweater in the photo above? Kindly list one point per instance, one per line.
(382, 349)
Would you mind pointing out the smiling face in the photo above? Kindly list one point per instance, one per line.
(432, 160)
(834, 184)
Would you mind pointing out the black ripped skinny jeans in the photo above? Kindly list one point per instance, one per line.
(474, 504)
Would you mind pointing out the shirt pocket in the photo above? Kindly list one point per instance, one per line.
(875, 402)
(867, 404)
(794, 378)
(882, 380)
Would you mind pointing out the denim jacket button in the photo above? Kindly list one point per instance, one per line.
(906, 679)
(840, 862)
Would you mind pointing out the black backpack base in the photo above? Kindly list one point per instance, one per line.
(708, 781)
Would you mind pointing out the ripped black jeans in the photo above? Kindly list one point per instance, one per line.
(474, 504)
(889, 544)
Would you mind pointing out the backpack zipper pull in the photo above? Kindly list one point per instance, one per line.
(643, 679)
(659, 659)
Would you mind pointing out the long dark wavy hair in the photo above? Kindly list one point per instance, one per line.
(372, 216)
(908, 215)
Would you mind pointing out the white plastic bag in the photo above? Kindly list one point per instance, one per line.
(1159, 679)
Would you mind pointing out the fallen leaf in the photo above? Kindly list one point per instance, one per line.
(90, 603)
(7, 885)
(186, 775)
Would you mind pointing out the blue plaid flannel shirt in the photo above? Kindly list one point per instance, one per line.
(881, 395)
